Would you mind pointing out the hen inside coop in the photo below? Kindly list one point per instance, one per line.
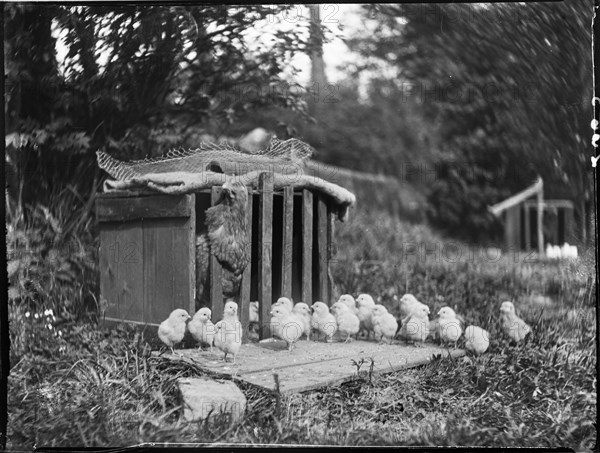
(171, 240)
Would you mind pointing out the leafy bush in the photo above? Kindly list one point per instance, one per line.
(52, 255)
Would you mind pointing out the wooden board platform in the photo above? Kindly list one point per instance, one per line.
(310, 365)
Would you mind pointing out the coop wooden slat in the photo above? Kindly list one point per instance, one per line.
(265, 238)
(330, 251)
(247, 275)
(307, 240)
(190, 245)
(287, 247)
(216, 272)
(322, 246)
(130, 208)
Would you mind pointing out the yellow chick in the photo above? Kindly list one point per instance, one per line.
(513, 326)
(172, 330)
(286, 326)
(302, 311)
(349, 301)
(347, 322)
(409, 305)
(202, 328)
(384, 323)
(323, 321)
(285, 302)
(477, 339)
(415, 327)
(365, 307)
(228, 334)
(449, 330)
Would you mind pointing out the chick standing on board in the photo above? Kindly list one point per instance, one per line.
(384, 323)
(202, 328)
(448, 327)
(347, 322)
(409, 305)
(365, 307)
(228, 335)
(349, 301)
(172, 330)
(286, 326)
(285, 302)
(513, 326)
(415, 327)
(302, 311)
(323, 321)
(477, 339)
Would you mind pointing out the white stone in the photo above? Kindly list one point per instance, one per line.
(205, 398)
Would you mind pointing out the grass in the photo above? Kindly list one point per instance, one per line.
(72, 384)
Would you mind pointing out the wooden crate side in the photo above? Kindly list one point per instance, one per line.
(322, 245)
(247, 275)
(307, 242)
(265, 219)
(216, 272)
(147, 265)
(121, 270)
(287, 246)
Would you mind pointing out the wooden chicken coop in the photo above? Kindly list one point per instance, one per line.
(147, 252)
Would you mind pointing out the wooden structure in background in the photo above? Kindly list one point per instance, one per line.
(512, 207)
(147, 252)
(524, 219)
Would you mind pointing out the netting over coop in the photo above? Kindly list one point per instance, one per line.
(194, 227)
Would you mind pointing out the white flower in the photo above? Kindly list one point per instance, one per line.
(27, 314)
